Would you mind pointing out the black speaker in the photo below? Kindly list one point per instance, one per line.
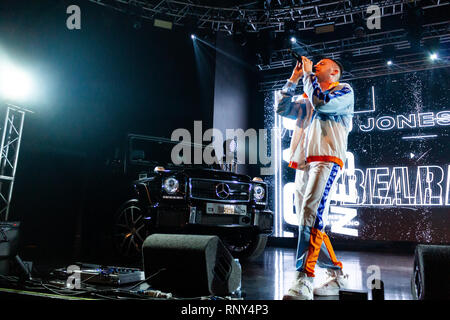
(353, 295)
(431, 276)
(194, 265)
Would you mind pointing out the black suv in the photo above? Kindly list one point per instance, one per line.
(190, 199)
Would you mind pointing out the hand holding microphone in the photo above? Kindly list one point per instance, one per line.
(302, 66)
(307, 65)
(298, 70)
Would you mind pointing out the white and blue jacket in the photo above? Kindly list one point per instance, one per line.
(324, 119)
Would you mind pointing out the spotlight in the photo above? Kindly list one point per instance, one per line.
(325, 27)
(432, 46)
(389, 63)
(193, 36)
(15, 83)
(290, 31)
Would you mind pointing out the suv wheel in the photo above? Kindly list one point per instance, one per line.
(245, 246)
(129, 230)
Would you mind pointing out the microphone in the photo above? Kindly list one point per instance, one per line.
(299, 58)
(295, 55)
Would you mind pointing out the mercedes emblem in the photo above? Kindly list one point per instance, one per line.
(222, 190)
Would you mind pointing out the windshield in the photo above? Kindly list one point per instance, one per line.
(154, 151)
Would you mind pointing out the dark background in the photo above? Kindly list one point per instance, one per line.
(95, 85)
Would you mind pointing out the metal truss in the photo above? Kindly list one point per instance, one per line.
(374, 68)
(279, 16)
(257, 15)
(369, 45)
(9, 153)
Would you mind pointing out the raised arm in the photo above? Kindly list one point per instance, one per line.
(335, 103)
(285, 107)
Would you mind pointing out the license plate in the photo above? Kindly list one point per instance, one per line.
(219, 208)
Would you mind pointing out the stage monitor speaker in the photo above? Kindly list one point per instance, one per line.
(347, 294)
(431, 276)
(195, 265)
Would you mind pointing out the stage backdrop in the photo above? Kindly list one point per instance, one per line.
(396, 181)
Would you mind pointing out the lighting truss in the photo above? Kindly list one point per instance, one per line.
(256, 17)
(11, 135)
(370, 44)
(373, 68)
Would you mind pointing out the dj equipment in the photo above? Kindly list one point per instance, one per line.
(190, 265)
(103, 275)
(431, 276)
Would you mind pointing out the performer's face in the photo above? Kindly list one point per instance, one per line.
(326, 70)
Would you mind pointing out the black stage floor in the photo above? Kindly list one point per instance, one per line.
(270, 276)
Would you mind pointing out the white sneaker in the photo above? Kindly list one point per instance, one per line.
(338, 281)
(302, 288)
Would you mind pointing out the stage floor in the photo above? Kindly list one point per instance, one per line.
(270, 276)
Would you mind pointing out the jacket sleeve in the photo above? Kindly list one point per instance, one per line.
(338, 102)
(285, 107)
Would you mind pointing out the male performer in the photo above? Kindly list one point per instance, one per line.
(324, 113)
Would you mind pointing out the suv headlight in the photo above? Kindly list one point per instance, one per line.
(259, 192)
(170, 185)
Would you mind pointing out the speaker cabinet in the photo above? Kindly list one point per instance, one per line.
(431, 276)
(194, 265)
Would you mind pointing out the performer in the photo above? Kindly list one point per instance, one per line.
(324, 113)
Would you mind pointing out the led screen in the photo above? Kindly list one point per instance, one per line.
(396, 181)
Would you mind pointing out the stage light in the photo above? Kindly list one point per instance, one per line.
(15, 84)
(293, 40)
(163, 24)
(193, 36)
(433, 56)
(325, 27)
(388, 52)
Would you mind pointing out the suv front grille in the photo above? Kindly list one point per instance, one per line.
(219, 190)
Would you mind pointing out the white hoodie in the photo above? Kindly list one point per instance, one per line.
(323, 121)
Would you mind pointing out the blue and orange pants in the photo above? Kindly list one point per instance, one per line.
(313, 188)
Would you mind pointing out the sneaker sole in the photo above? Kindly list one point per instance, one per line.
(289, 297)
(327, 294)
